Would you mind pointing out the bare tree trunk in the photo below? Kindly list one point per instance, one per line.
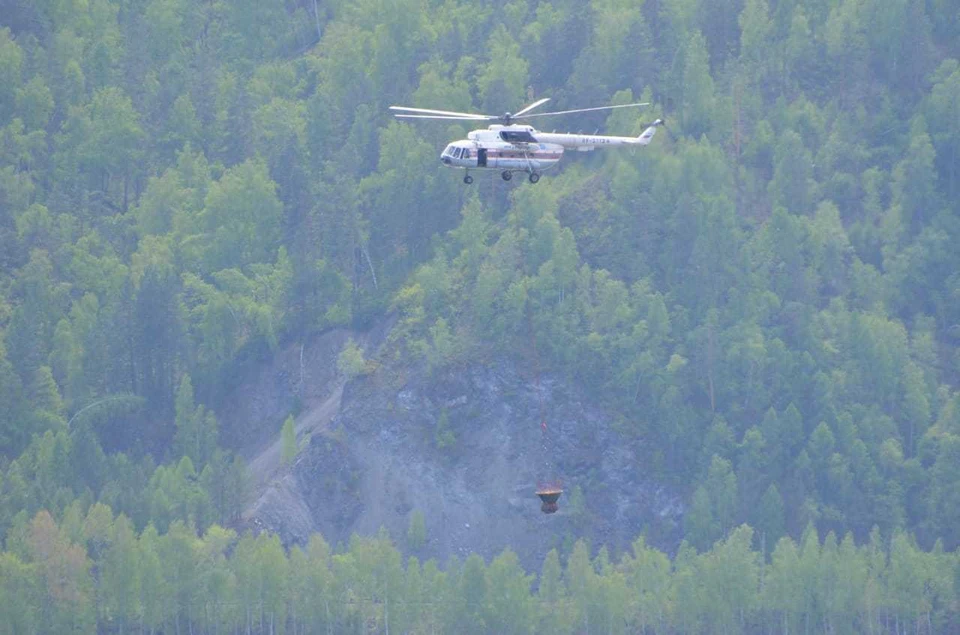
(300, 387)
(316, 16)
(366, 255)
(713, 401)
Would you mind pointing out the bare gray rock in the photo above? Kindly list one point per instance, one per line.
(465, 447)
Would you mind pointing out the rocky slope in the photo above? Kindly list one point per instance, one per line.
(464, 447)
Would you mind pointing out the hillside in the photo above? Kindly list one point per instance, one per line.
(463, 449)
(754, 320)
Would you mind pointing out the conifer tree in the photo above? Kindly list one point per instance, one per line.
(289, 442)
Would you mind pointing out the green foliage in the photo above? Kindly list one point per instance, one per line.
(443, 346)
(770, 520)
(698, 99)
(240, 221)
(196, 435)
(699, 524)
(225, 482)
(771, 297)
(288, 439)
(443, 436)
(509, 607)
(99, 573)
(503, 79)
(416, 531)
(472, 593)
(577, 508)
(350, 362)
(11, 63)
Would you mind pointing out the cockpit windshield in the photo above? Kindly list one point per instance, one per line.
(455, 152)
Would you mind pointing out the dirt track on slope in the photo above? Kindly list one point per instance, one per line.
(265, 465)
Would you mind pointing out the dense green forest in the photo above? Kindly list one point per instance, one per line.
(769, 296)
(96, 572)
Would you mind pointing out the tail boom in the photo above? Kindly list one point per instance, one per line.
(590, 142)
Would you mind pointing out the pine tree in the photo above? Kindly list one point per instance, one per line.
(416, 531)
(288, 437)
(196, 428)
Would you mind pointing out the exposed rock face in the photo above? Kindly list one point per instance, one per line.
(465, 448)
(320, 495)
(297, 379)
(252, 414)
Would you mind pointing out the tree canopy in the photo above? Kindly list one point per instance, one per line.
(768, 296)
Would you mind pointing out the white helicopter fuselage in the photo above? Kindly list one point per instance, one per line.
(516, 150)
(523, 148)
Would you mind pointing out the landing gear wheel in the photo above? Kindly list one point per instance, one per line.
(506, 175)
(468, 179)
(534, 177)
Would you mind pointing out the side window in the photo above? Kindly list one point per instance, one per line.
(456, 153)
(466, 153)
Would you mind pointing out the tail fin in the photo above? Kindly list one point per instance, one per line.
(647, 135)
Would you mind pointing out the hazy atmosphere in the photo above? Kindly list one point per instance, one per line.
(297, 319)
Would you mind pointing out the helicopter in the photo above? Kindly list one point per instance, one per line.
(511, 147)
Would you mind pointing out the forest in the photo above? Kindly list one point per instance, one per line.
(95, 574)
(768, 295)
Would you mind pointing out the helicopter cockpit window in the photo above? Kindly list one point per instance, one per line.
(466, 153)
(517, 136)
(457, 152)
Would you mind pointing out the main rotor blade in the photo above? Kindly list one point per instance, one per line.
(532, 106)
(428, 111)
(438, 117)
(568, 112)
